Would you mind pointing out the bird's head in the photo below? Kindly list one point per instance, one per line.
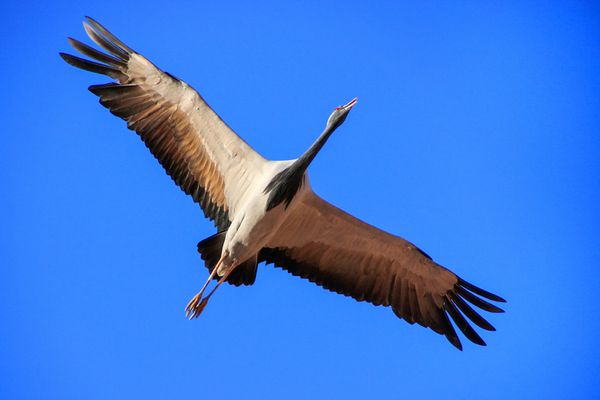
(338, 116)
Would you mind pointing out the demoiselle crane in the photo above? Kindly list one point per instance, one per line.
(265, 210)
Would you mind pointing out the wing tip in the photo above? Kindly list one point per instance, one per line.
(449, 332)
(461, 322)
(480, 291)
(457, 307)
(107, 34)
(91, 66)
(103, 38)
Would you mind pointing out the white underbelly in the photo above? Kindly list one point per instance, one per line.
(254, 226)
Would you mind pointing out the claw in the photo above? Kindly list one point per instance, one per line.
(192, 305)
(195, 307)
(199, 308)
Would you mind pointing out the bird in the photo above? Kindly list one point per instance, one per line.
(265, 210)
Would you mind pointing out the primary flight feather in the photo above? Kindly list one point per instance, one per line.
(266, 210)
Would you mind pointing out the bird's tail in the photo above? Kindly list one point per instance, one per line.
(210, 250)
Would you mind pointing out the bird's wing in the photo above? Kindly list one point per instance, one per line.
(335, 250)
(197, 149)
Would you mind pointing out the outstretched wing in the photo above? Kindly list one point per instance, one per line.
(331, 248)
(197, 149)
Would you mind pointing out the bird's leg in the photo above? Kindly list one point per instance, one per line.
(195, 301)
(197, 308)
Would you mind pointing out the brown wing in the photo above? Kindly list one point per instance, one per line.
(331, 248)
(196, 148)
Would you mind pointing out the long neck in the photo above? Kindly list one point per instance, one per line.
(304, 161)
(284, 186)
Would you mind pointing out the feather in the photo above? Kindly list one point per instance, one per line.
(449, 331)
(479, 291)
(105, 44)
(95, 54)
(108, 35)
(462, 323)
(470, 313)
(92, 66)
(471, 298)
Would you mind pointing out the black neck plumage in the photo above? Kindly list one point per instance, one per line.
(284, 186)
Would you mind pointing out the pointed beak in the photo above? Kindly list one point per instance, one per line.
(351, 104)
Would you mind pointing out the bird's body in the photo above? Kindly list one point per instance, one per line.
(266, 211)
(254, 225)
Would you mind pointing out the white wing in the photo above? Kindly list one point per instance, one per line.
(198, 150)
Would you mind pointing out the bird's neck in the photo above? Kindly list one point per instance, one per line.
(284, 186)
(304, 161)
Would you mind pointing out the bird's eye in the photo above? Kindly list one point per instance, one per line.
(338, 108)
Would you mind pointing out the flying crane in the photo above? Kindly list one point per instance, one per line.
(266, 211)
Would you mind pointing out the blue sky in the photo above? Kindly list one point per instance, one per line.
(475, 137)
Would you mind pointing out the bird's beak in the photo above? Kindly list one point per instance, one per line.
(351, 104)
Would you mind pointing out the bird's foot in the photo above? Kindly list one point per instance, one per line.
(196, 306)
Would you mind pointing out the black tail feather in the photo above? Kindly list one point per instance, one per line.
(210, 250)
(245, 273)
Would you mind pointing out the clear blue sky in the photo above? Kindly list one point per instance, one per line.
(476, 137)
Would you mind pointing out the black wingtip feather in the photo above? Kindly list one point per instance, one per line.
(462, 323)
(476, 301)
(470, 313)
(449, 331)
(480, 291)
